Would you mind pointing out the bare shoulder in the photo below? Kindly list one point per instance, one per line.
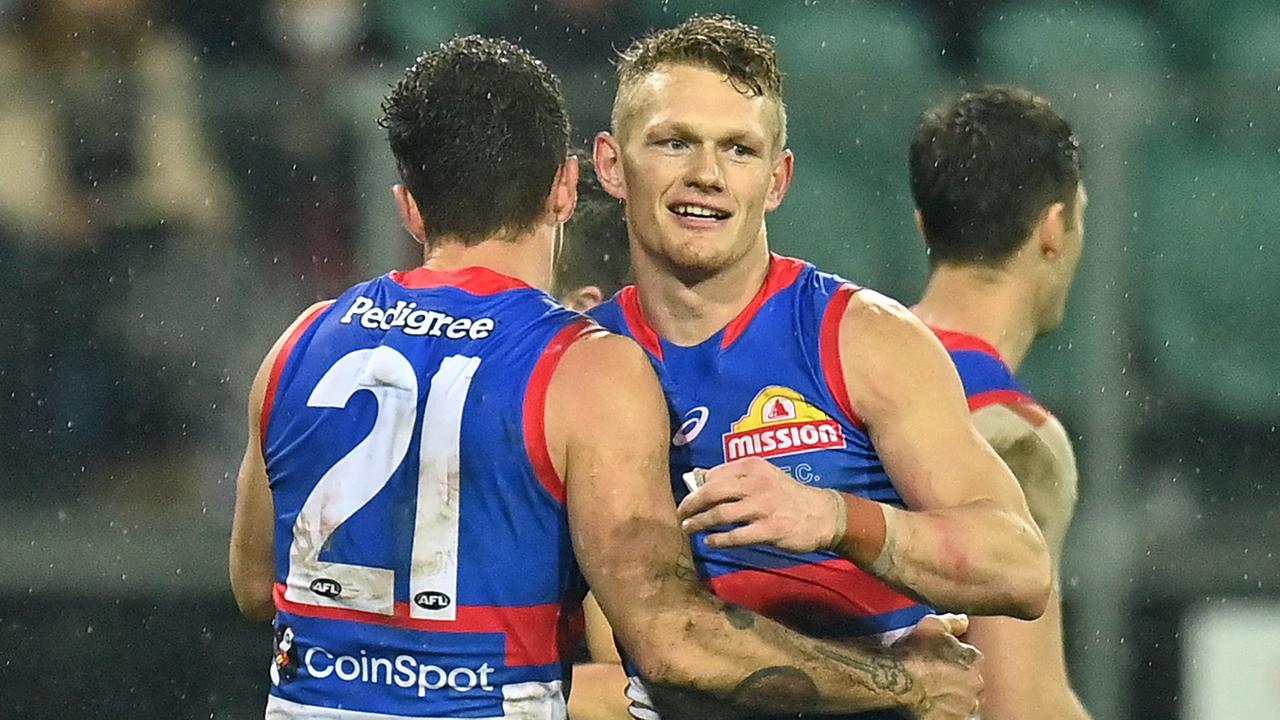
(870, 312)
(1025, 431)
(877, 327)
(1037, 449)
(887, 353)
(600, 360)
(603, 396)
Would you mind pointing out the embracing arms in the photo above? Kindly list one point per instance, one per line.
(966, 542)
(609, 435)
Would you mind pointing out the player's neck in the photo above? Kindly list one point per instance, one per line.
(982, 302)
(527, 258)
(688, 311)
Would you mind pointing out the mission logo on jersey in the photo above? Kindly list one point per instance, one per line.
(781, 422)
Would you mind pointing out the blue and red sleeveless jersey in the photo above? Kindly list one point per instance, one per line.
(986, 377)
(423, 560)
(770, 384)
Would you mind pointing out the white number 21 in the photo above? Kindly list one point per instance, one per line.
(355, 479)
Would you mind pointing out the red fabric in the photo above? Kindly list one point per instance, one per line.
(955, 340)
(1019, 402)
(532, 631)
(475, 280)
(807, 595)
(865, 529)
(782, 272)
(829, 351)
(277, 367)
(641, 330)
(535, 405)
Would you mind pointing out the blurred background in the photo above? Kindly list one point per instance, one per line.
(179, 179)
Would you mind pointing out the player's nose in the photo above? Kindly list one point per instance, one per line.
(704, 171)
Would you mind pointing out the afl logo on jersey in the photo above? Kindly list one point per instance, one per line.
(779, 422)
(432, 600)
(324, 587)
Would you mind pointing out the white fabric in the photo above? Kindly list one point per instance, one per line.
(521, 701)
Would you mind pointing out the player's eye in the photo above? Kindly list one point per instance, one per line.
(674, 144)
(743, 151)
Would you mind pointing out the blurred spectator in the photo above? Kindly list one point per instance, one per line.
(293, 141)
(104, 166)
(578, 39)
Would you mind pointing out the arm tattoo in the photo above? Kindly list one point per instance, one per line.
(883, 672)
(684, 568)
(765, 687)
(739, 617)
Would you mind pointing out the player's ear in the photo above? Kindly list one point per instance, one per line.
(564, 191)
(410, 215)
(1051, 230)
(783, 169)
(584, 298)
(607, 154)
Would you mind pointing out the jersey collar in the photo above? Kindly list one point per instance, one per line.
(477, 280)
(782, 272)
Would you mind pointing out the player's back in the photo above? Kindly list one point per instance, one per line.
(423, 560)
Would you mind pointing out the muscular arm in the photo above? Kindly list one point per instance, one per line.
(608, 433)
(968, 542)
(1026, 670)
(252, 560)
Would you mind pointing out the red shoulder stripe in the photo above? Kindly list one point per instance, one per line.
(535, 404)
(1017, 401)
(277, 367)
(782, 272)
(954, 340)
(641, 330)
(829, 351)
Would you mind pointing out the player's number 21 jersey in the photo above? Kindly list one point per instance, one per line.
(422, 554)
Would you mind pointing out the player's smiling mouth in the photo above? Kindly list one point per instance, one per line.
(694, 214)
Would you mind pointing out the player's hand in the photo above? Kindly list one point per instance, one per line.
(946, 671)
(768, 505)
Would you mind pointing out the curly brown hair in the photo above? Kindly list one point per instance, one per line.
(478, 128)
(744, 54)
(984, 166)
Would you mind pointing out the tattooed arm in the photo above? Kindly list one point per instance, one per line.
(607, 432)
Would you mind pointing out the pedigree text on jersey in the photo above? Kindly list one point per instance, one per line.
(407, 317)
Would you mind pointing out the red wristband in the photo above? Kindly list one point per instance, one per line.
(865, 531)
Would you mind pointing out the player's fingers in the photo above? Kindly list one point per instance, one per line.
(707, 496)
(726, 513)
(951, 623)
(749, 534)
(966, 654)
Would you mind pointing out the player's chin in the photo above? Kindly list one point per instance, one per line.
(697, 259)
(705, 251)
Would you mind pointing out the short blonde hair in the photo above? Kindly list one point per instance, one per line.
(742, 53)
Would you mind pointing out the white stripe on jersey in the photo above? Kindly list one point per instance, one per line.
(521, 701)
